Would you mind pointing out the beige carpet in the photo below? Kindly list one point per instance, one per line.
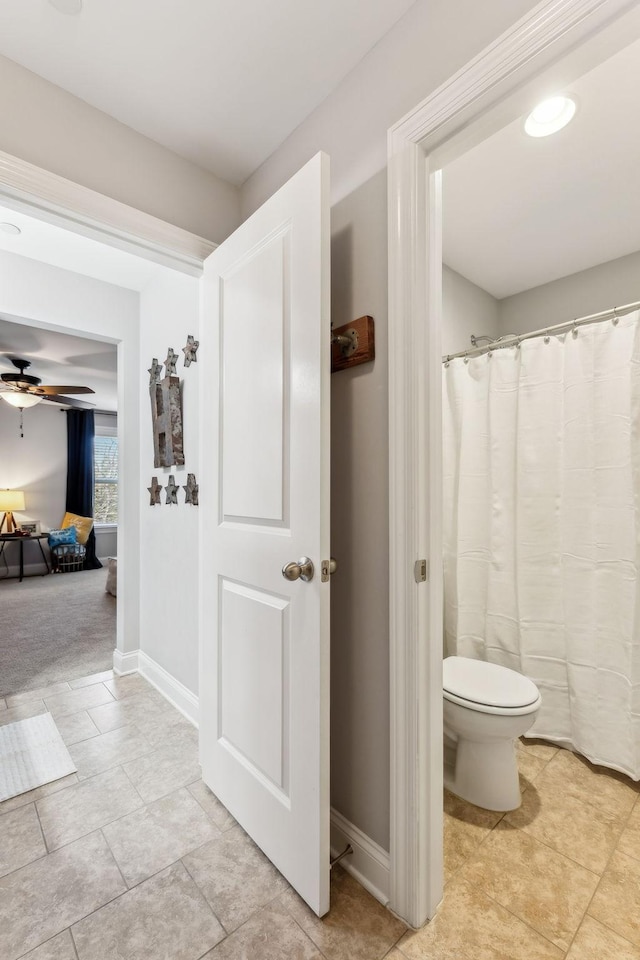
(55, 628)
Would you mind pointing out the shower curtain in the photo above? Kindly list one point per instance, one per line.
(542, 524)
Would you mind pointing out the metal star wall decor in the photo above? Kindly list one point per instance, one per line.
(170, 363)
(191, 490)
(154, 371)
(154, 492)
(190, 351)
(172, 490)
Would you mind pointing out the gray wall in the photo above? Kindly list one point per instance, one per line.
(49, 127)
(420, 52)
(466, 309)
(360, 521)
(360, 502)
(609, 284)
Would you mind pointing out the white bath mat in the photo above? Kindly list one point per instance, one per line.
(32, 752)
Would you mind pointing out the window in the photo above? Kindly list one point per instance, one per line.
(105, 490)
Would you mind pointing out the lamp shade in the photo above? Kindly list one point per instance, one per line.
(17, 399)
(11, 500)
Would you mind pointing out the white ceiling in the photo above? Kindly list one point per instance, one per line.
(58, 357)
(48, 243)
(220, 82)
(519, 212)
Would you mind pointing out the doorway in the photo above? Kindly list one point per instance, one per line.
(77, 286)
(56, 628)
(481, 98)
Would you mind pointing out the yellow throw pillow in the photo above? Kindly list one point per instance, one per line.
(83, 525)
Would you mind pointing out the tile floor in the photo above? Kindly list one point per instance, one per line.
(560, 877)
(133, 858)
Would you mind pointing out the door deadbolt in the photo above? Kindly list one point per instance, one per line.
(302, 570)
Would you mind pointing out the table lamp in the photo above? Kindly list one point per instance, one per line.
(10, 500)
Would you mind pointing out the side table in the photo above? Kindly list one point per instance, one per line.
(5, 539)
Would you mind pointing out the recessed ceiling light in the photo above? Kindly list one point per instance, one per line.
(67, 6)
(550, 116)
(10, 228)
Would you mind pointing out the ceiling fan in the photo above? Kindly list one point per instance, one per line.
(23, 390)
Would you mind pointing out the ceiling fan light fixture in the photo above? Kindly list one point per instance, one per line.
(550, 116)
(17, 399)
(70, 7)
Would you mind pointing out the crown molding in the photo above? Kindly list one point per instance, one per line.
(53, 198)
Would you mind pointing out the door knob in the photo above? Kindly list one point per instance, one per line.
(302, 570)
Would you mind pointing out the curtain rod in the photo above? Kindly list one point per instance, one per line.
(103, 413)
(513, 340)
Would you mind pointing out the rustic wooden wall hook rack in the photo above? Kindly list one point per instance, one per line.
(352, 344)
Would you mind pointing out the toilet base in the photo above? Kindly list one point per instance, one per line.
(485, 774)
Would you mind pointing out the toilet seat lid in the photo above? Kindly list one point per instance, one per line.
(487, 683)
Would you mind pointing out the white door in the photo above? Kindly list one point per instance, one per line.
(264, 495)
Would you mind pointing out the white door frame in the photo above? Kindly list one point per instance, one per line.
(485, 93)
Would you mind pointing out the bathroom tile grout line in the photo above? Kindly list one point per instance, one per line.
(226, 829)
(44, 838)
(201, 891)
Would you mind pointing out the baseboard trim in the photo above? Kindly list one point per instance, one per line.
(125, 662)
(368, 864)
(175, 692)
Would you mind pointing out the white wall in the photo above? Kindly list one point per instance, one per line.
(49, 127)
(466, 309)
(37, 464)
(608, 285)
(424, 48)
(47, 296)
(169, 311)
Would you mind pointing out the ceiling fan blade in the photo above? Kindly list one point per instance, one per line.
(57, 389)
(70, 402)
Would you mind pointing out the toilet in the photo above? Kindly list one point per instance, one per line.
(486, 708)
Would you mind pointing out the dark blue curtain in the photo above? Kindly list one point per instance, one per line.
(80, 434)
